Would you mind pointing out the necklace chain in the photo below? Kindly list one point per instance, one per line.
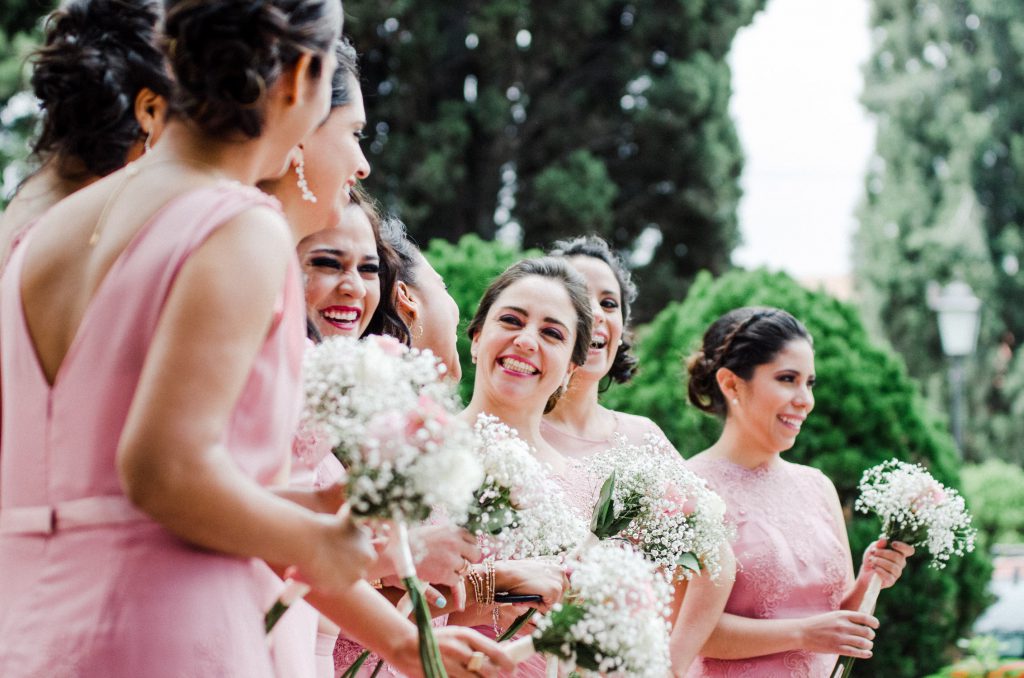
(132, 170)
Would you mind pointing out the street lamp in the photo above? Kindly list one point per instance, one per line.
(959, 315)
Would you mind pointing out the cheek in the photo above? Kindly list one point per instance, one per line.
(316, 288)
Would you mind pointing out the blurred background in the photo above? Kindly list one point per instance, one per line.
(859, 162)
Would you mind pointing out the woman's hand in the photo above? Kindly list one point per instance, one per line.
(448, 553)
(341, 554)
(886, 561)
(843, 632)
(458, 646)
(536, 576)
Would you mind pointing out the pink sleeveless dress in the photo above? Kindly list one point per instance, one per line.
(791, 558)
(90, 586)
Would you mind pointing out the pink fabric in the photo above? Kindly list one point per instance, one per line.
(580, 485)
(118, 597)
(792, 560)
(295, 637)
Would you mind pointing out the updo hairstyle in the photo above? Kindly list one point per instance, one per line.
(97, 55)
(556, 269)
(226, 54)
(624, 364)
(740, 340)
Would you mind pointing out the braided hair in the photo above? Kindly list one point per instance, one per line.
(740, 340)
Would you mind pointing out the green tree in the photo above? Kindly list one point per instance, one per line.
(867, 410)
(556, 118)
(940, 202)
(995, 492)
(19, 34)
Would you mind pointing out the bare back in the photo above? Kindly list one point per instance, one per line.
(62, 271)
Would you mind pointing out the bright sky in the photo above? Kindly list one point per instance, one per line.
(807, 140)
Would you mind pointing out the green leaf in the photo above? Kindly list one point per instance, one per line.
(690, 562)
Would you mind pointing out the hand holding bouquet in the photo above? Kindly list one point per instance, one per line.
(914, 509)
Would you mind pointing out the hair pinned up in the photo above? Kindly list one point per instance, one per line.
(740, 340)
(226, 54)
(97, 55)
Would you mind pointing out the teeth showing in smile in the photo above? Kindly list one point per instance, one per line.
(599, 342)
(791, 421)
(514, 365)
(341, 316)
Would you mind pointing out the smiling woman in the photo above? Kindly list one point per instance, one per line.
(791, 610)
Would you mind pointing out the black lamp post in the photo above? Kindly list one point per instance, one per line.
(959, 314)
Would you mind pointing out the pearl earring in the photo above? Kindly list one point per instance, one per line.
(300, 172)
(147, 145)
(736, 402)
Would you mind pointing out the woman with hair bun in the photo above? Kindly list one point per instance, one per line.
(793, 607)
(580, 427)
(102, 87)
(152, 336)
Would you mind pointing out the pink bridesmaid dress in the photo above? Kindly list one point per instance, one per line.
(91, 586)
(792, 557)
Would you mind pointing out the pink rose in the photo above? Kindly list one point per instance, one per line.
(389, 345)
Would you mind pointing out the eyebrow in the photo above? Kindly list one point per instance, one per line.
(340, 253)
(522, 311)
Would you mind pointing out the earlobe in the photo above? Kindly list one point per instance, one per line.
(406, 304)
(727, 382)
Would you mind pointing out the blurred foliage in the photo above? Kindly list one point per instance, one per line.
(558, 118)
(982, 660)
(19, 33)
(943, 199)
(468, 267)
(995, 493)
(867, 410)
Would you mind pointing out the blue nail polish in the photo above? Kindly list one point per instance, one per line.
(441, 601)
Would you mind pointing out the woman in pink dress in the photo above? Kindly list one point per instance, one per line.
(530, 331)
(345, 264)
(151, 345)
(580, 427)
(99, 61)
(792, 609)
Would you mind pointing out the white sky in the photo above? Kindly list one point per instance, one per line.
(807, 140)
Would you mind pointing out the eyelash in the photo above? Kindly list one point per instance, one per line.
(554, 334)
(609, 303)
(369, 268)
(325, 262)
(360, 135)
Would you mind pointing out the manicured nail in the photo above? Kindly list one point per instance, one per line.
(440, 602)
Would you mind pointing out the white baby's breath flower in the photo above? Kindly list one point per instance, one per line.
(917, 509)
(679, 521)
(613, 618)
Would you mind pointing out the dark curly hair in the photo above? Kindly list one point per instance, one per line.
(226, 54)
(407, 256)
(624, 364)
(546, 267)
(385, 319)
(97, 55)
(740, 340)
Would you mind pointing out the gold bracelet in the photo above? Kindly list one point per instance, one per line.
(489, 588)
(474, 580)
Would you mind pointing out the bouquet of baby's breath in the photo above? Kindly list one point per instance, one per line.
(519, 511)
(611, 620)
(388, 416)
(666, 511)
(914, 509)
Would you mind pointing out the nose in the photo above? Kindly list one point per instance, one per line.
(351, 283)
(363, 169)
(525, 340)
(595, 307)
(804, 397)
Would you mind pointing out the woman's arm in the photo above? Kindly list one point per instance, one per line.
(171, 459)
(703, 602)
(840, 632)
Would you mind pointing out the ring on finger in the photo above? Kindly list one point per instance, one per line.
(476, 661)
(464, 570)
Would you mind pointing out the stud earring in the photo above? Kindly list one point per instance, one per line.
(300, 172)
(736, 402)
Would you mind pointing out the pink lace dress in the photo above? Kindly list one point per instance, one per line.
(90, 586)
(792, 557)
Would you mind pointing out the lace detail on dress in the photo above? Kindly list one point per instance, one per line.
(580, 486)
(791, 561)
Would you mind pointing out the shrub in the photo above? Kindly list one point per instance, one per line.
(867, 410)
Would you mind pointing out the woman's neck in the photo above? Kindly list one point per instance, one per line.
(526, 422)
(243, 161)
(735, 446)
(579, 413)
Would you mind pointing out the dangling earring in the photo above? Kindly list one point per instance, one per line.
(417, 333)
(147, 145)
(300, 172)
